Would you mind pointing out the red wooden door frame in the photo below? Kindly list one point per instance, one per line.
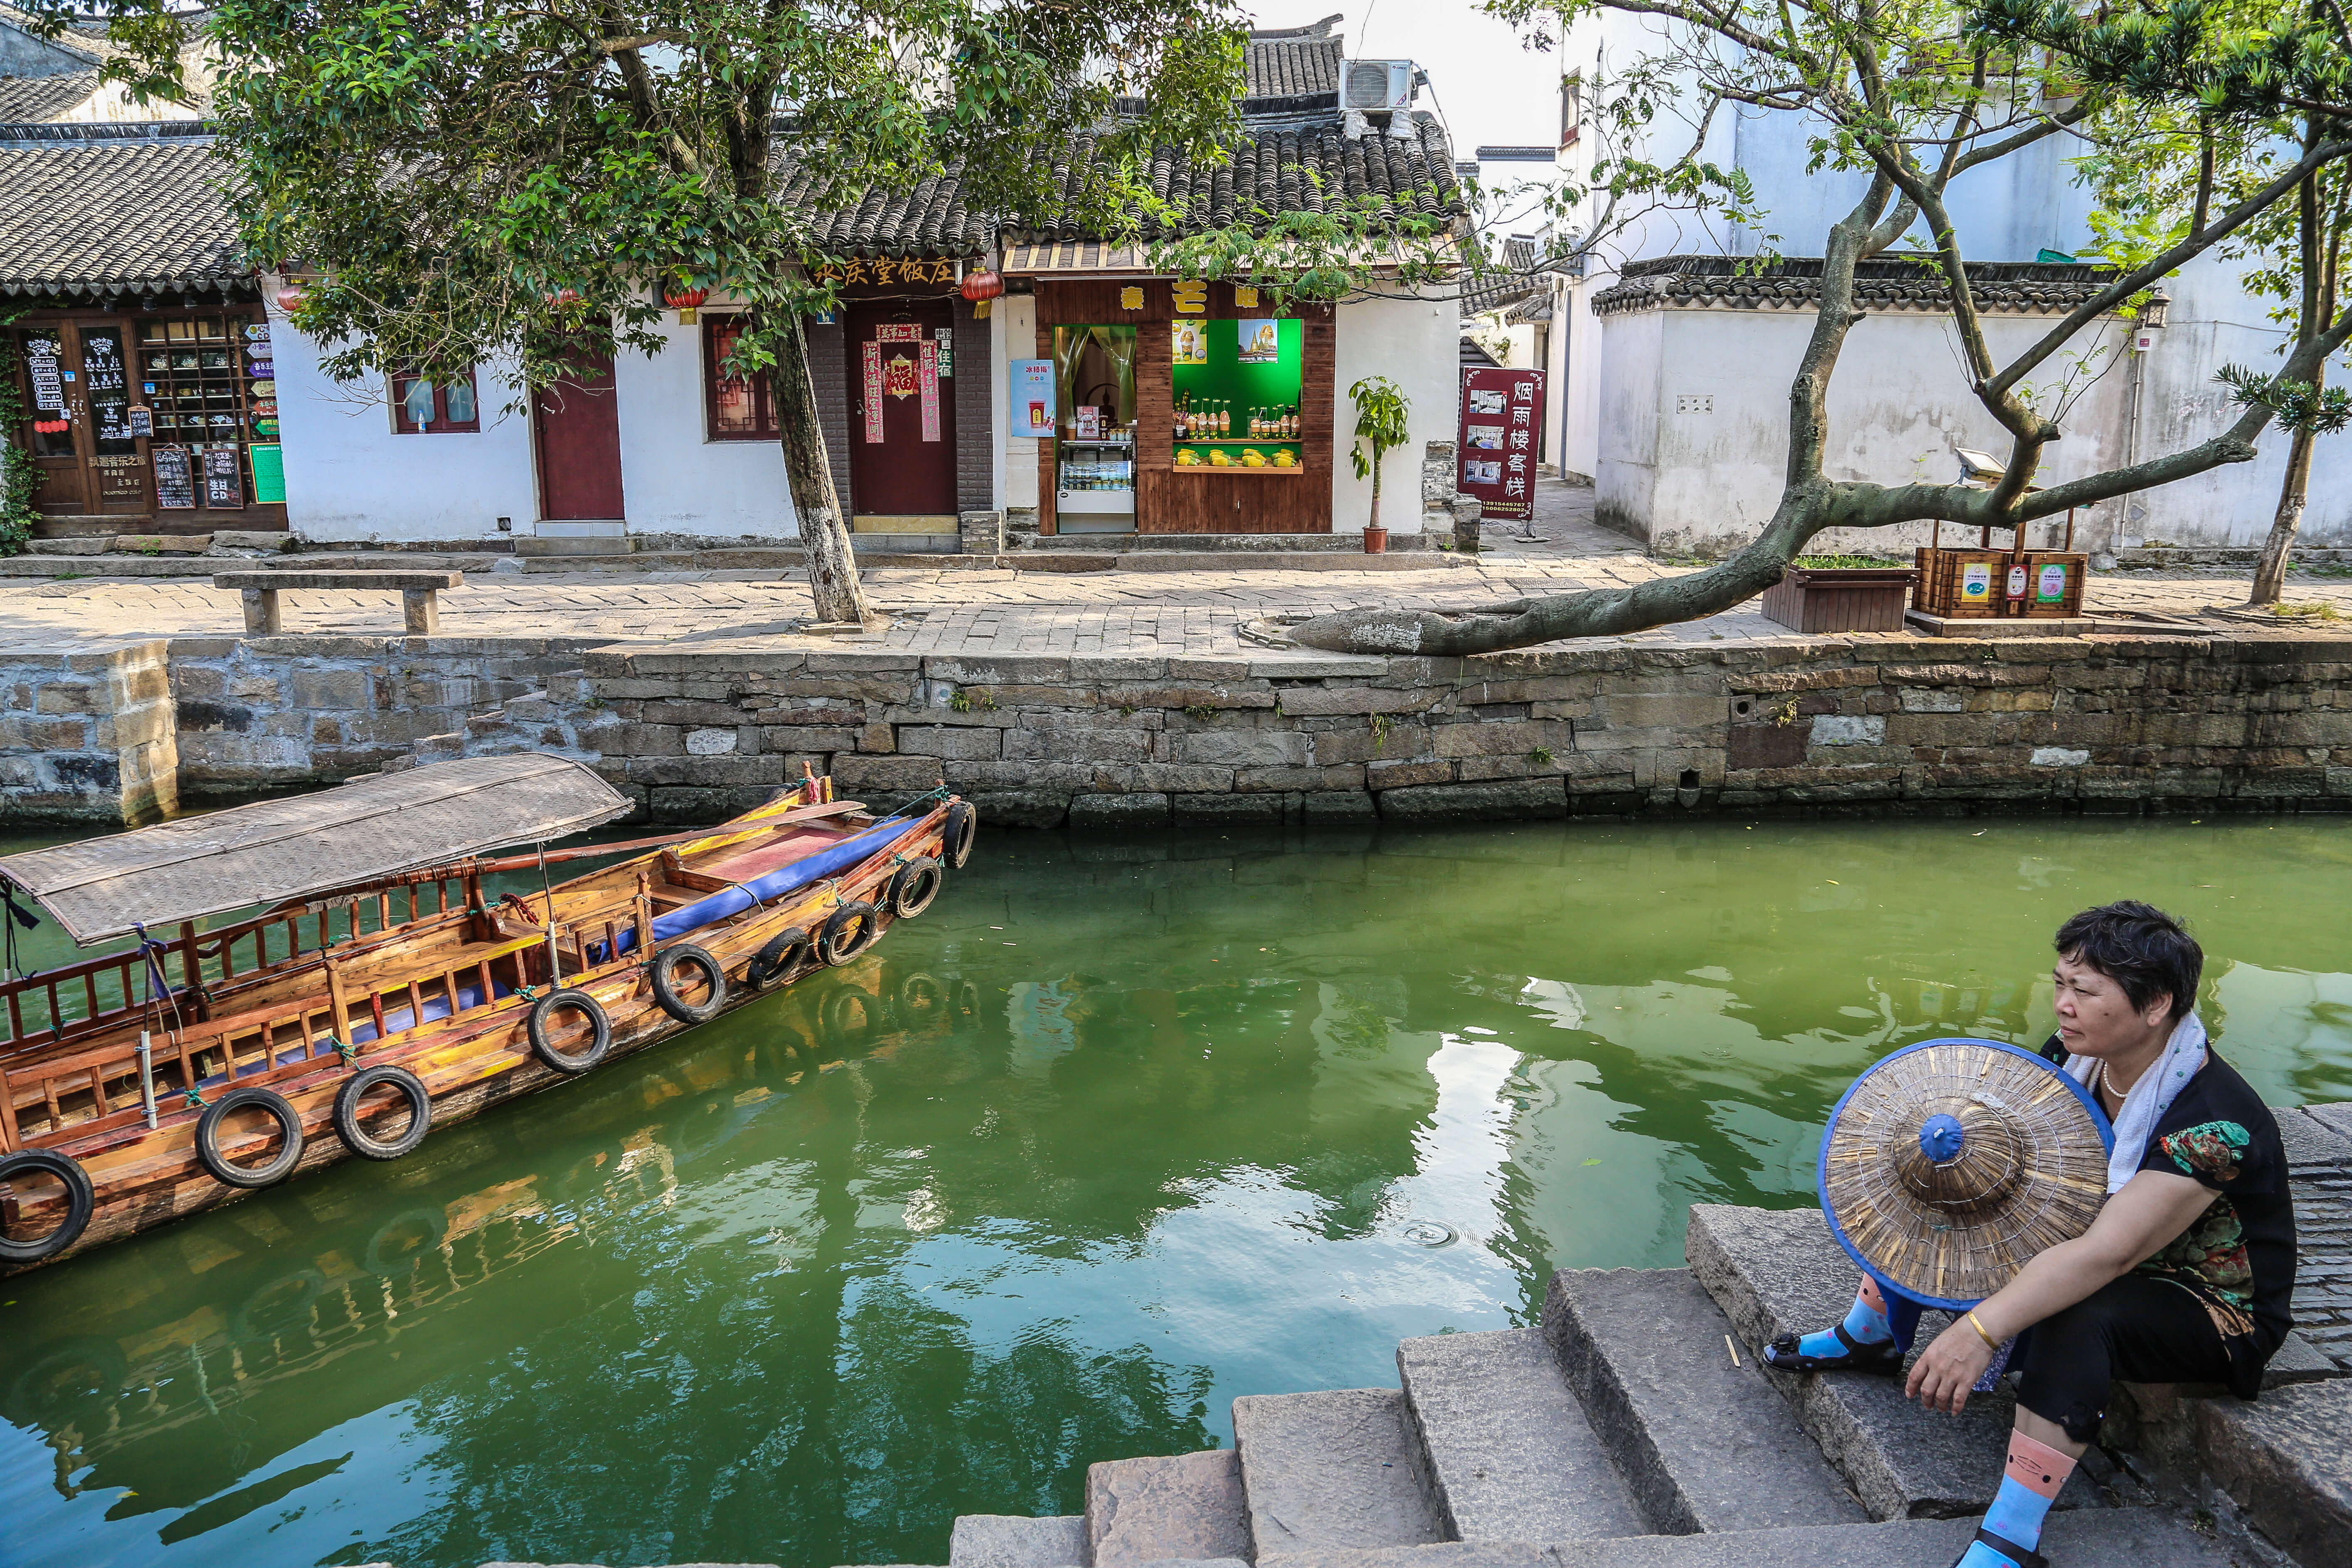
(902, 475)
(576, 424)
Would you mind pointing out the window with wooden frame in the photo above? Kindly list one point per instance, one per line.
(422, 407)
(737, 408)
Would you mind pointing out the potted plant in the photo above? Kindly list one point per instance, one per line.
(1380, 410)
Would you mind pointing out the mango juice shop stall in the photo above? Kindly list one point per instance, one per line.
(1180, 405)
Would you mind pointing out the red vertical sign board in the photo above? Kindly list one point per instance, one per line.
(1501, 432)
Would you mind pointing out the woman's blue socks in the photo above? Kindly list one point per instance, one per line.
(1865, 1321)
(2028, 1486)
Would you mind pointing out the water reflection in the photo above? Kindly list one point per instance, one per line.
(1116, 1133)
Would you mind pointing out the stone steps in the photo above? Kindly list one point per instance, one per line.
(1705, 1445)
(1009, 1541)
(2101, 1538)
(1186, 1507)
(1508, 1453)
(1776, 1272)
(2284, 1459)
(1332, 1471)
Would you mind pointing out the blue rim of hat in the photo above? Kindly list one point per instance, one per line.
(1822, 1159)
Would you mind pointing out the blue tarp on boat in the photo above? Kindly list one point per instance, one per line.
(760, 890)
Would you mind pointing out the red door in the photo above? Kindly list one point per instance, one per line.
(580, 446)
(902, 416)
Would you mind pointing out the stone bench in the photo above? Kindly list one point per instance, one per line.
(420, 616)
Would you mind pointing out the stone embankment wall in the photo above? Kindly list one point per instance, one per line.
(88, 735)
(1842, 725)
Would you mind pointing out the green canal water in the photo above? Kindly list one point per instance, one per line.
(1113, 1134)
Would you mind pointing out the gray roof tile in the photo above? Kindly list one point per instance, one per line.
(79, 217)
(25, 99)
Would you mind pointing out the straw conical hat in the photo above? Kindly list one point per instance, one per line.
(1951, 1163)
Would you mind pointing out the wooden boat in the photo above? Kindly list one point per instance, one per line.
(380, 993)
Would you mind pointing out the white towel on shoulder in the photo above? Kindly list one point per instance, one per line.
(2150, 1098)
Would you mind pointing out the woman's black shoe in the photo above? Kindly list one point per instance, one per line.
(2008, 1549)
(1885, 1359)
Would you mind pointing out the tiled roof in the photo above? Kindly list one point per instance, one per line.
(83, 218)
(1883, 283)
(1269, 172)
(929, 220)
(26, 99)
(1513, 281)
(1290, 67)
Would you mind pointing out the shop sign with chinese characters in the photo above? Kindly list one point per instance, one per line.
(889, 272)
(1501, 426)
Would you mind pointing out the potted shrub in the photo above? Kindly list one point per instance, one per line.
(1380, 410)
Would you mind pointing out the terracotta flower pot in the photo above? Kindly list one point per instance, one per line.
(1376, 541)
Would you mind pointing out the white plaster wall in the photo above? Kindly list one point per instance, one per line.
(2212, 322)
(674, 480)
(1625, 419)
(1576, 349)
(1898, 405)
(351, 478)
(1013, 328)
(1413, 343)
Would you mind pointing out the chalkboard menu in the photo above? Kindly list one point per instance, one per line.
(224, 479)
(175, 480)
(109, 388)
(41, 352)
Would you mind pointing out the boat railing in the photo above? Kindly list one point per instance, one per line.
(88, 996)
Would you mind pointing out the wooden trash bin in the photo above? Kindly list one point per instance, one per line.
(1840, 598)
(1990, 584)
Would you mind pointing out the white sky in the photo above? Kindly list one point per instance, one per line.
(1489, 88)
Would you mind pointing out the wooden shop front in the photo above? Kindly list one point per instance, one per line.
(1183, 406)
(151, 420)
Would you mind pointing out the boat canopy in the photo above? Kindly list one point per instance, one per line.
(275, 851)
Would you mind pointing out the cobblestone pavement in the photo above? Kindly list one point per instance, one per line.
(949, 610)
(2321, 1169)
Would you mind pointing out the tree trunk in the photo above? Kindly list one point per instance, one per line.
(1375, 520)
(2270, 573)
(824, 533)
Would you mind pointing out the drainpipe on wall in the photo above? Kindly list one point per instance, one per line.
(2143, 335)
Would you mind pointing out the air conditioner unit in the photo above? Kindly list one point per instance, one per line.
(1370, 87)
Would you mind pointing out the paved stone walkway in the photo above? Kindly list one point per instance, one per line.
(952, 611)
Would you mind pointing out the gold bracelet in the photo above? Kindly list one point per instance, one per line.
(1990, 1343)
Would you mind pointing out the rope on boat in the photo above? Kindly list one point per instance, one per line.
(196, 1101)
(349, 1053)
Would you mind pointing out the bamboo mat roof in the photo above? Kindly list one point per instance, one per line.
(278, 849)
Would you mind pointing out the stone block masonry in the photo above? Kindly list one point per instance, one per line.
(1837, 726)
(88, 735)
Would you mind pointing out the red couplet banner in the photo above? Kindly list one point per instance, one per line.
(1502, 421)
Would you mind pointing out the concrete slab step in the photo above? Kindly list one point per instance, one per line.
(1777, 1272)
(1510, 1456)
(1177, 1507)
(2101, 1538)
(2285, 1460)
(1703, 1445)
(1009, 1541)
(1331, 1471)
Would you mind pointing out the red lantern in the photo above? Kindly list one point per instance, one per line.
(559, 297)
(291, 298)
(983, 285)
(686, 302)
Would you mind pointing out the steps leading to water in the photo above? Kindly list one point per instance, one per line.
(1707, 1445)
(1185, 1506)
(1332, 1471)
(1009, 1541)
(1508, 1453)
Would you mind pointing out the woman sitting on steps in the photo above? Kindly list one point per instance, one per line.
(2184, 1277)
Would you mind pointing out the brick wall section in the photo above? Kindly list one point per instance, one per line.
(829, 374)
(88, 735)
(975, 376)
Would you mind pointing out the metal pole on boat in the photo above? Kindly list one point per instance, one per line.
(554, 953)
(147, 1078)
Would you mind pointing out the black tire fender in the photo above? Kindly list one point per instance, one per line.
(81, 1201)
(347, 1112)
(542, 1044)
(913, 889)
(687, 955)
(271, 1104)
(847, 932)
(784, 950)
(955, 840)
